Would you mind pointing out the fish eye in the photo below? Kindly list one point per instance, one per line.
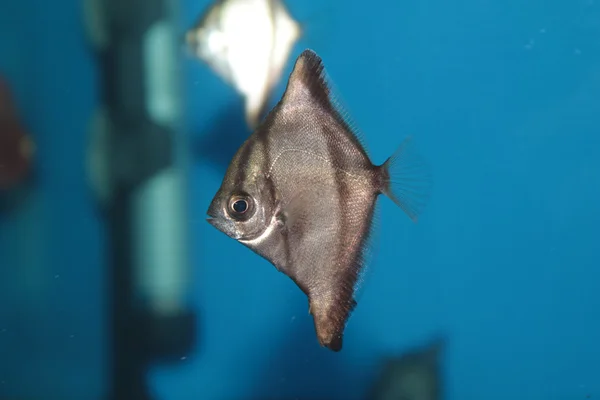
(240, 207)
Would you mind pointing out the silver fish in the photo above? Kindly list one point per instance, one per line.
(415, 375)
(301, 192)
(247, 43)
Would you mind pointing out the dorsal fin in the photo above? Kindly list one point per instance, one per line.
(307, 81)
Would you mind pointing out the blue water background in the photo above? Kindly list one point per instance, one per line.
(503, 99)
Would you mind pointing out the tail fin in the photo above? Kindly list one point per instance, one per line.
(406, 179)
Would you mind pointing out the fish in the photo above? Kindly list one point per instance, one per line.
(247, 43)
(16, 146)
(415, 375)
(301, 192)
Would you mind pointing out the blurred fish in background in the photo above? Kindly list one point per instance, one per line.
(247, 43)
(16, 146)
(415, 375)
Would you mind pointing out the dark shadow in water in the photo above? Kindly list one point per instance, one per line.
(416, 374)
(217, 144)
(15, 197)
(299, 368)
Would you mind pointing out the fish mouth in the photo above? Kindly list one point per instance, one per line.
(211, 216)
(216, 216)
(211, 220)
(213, 210)
(224, 225)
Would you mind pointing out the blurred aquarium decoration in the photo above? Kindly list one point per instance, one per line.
(119, 118)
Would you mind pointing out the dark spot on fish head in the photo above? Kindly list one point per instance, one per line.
(206, 37)
(203, 43)
(243, 211)
(192, 41)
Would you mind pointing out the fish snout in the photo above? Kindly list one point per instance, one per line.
(214, 214)
(217, 218)
(224, 225)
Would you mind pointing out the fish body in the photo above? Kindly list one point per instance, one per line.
(247, 43)
(301, 192)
